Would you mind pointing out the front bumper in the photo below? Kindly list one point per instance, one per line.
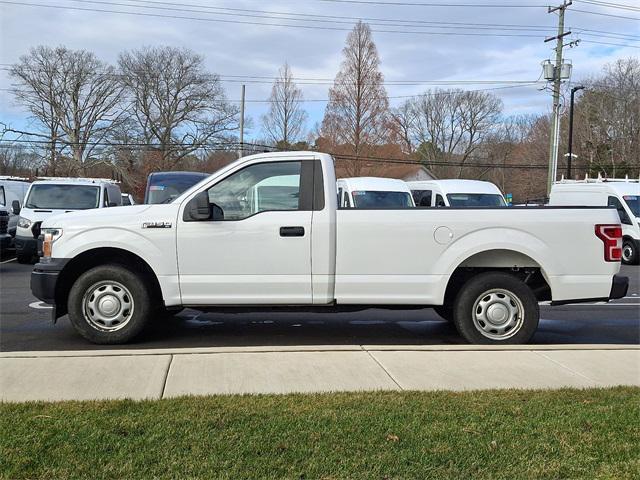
(44, 279)
(26, 245)
(5, 240)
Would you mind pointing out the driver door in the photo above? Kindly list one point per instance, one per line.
(259, 252)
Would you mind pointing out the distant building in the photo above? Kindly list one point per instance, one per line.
(401, 171)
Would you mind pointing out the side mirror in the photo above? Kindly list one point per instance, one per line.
(198, 208)
(15, 207)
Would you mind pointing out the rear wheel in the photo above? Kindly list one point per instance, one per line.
(109, 304)
(630, 254)
(496, 308)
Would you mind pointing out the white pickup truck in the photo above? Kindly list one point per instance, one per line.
(114, 270)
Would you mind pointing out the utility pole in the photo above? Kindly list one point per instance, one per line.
(241, 149)
(570, 154)
(557, 80)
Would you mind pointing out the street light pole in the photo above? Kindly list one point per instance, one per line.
(570, 154)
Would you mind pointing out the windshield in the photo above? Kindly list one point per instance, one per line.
(166, 187)
(475, 200)
(63, 197)
(633, 201)
(375, 199)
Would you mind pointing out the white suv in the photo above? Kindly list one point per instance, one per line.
(53, 196)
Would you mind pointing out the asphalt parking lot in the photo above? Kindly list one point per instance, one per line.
(26, 326)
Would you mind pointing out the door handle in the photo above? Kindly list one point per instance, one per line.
(292, 231)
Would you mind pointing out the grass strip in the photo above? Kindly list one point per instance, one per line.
(592, 433)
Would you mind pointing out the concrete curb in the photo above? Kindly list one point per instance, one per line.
(313, 348)
(159, 374)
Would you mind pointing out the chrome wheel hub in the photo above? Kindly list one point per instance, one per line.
(627, 253)
(107, 305)
(498, 314)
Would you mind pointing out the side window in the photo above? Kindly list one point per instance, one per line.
(346, 200)
(422, 198)
(615, 202)
(105, 202)
(339, 197)
(440, 201)
(3, 199)
(259, 188)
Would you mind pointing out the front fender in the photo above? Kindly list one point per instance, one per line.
(157, 249)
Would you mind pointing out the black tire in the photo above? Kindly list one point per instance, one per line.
(24, 258)
(482, 294)
(445, 312)
(630, 256)
(137, 295)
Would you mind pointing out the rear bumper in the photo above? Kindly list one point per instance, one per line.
(619, 288)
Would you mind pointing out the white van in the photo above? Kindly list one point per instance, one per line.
(12, 193)
(623, 194)
(456, 193)
(51, 196)
(373, 192)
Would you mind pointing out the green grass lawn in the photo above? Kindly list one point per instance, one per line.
(491, 434)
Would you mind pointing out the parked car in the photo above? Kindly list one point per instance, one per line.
(55, 195)
(163, 187)
(113, 271)
(127, 199)
(12, 192)
(621, 194)
(456, 193)
(373, 192)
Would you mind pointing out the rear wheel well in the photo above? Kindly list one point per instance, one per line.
(522, 267)
(102, 256)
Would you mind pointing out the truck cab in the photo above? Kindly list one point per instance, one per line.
(50, 196)
(373, 192)
(12, 193)
(456, 193)
(621, 194)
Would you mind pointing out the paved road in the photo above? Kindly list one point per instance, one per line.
(23, 328)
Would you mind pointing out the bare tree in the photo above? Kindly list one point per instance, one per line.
(73, 94)
(36, 75)
(452, 124)
(356, 116)
(607, 121)
(285, 121)
(179, 107)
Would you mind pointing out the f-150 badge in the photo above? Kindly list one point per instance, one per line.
(156, 225)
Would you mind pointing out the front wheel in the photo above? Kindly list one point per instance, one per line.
(630, 254)
(496, 308)
(109, 304)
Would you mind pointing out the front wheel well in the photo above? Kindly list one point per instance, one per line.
(103, 256)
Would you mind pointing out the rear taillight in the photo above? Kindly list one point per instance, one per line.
(611, 236)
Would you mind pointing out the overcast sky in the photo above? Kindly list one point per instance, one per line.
(245, 49)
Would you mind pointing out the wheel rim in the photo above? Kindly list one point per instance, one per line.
(108, 306)
(627, 252)
(498, 314)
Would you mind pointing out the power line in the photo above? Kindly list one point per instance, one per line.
(243, 22)
(605, 14)
(435, 4)
(619, 6)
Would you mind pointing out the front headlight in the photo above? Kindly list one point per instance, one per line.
(24, 222)
(49, 236)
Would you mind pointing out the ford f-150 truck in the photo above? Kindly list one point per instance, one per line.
(237, 240)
